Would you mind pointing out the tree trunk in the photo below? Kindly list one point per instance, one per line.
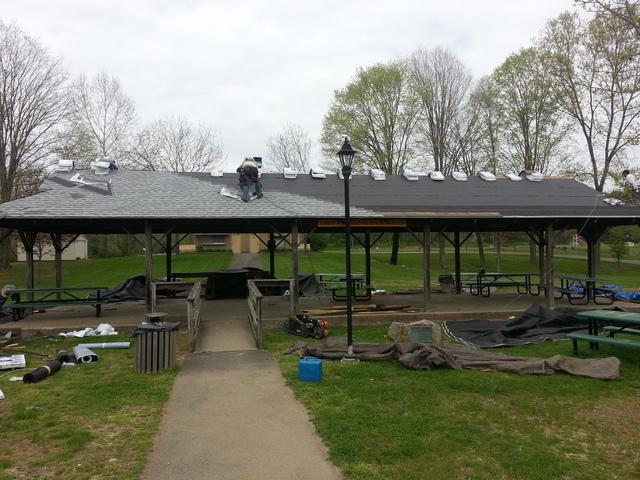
(480, 249)
(395, 247)
(5, 251)
(441, 252)
(498, 246)
(532, 253)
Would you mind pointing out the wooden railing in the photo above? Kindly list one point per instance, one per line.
(254, 301)
(194, 304)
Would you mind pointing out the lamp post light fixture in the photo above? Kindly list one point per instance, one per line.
(346, 155)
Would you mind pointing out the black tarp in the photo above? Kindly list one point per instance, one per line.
(131, 289)
(536, 325)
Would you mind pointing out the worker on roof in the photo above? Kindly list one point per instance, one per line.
(630, 181)
(248, 171)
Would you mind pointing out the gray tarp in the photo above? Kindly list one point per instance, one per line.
(426, 357)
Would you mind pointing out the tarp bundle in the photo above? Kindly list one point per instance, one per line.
(42, 372)
(427, 357)
(417, 356)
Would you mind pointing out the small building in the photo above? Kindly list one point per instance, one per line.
(77, 250)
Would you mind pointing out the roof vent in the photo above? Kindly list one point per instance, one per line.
(487, 176)
(65, 165)
(289, 173)
(437, 176)
(459, 176)
(513, 177)
(317, 173)
(341, 177)
(410, 175)
(535, 177)
(101, 166)
(377, 174)
(217, 173)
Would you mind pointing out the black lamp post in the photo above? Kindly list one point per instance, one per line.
(346, 155)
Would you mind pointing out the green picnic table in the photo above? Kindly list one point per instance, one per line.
(53, 297)
(612, 322)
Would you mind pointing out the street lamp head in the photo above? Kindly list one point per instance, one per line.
(346, 155)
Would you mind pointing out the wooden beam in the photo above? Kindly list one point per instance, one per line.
(367, 257)
(549, 266)
(148, 271)
(294, 266)
(271, 245)
(426, 265)
(28, 240)
(456, 239)
(167, 252)
(56, 241)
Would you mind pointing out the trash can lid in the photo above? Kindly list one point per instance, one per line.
(151, 327)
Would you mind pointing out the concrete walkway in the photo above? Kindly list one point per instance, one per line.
(231, 417)
(243, 260)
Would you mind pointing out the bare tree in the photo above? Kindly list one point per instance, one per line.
(378, 111)
(534, 130)
(596, 71)
(627, 11)
(442, 83)
(100, 121)
(176, 145)
(290, 148)
(32, 104)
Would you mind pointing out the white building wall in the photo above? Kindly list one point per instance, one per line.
(78, 250)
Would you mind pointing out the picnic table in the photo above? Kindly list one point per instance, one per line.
(53, 297)
(337, 283)
(612, 322)
(577, 287)
(480, 283)
(168, 286)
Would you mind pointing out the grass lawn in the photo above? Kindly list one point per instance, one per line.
(408, 275)
(86, 422)
(109, 272)
(381, 421)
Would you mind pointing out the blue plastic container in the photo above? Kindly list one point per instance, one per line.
(310, 369)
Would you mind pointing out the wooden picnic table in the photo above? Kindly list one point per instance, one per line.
(480, 283)
(611, 321)
(43, 297)
(578, 287)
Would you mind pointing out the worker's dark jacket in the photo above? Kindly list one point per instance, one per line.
(248, 175)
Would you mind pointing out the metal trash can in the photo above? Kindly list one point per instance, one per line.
(156, 347)
(446, 282)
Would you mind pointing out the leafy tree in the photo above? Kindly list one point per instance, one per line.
(378, 111)
(617, 242)
(627, 11)
(595, 70)
(290, 148)
(32, 103)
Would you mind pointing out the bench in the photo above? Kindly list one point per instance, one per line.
(483, 283)
(53, 297)
(365, 296)
(17, 309)
(601, 339)
(613, 330)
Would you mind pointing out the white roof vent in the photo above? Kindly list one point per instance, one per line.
(65, 165)
(289, 173)
(513, 177)
(459, 176)
(317, 173)
(377, 174)
(487, 176)
(101, 166)
(437, 176)
(217, 173)
(535, 177)
(341, 177)
(410, 175)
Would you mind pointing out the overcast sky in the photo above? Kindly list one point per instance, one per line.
(248, 67)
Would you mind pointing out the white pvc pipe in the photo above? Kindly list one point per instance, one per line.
(104, 346)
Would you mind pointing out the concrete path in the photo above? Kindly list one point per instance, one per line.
(231, 417)
(242, 260)
(225, 327)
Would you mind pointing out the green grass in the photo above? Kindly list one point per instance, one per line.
(408, 274)
(109, 272)
(381, 421)
(87, 421)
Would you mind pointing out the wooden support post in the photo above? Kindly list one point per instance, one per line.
(28, 240)
(148, 271)
(168, 249)
(549, 267)
(271, 245)
(541, 260)
(590, 257)
(456, 247)
(56, 240)
(426, 261)
(367, 258)
(294, 267)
